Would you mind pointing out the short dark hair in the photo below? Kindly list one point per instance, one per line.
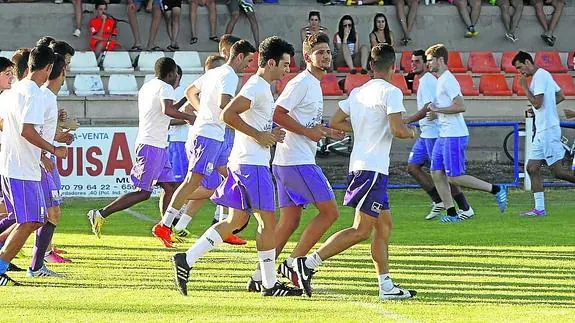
(165, 66)
(100, 3)
(40, 57)
(241, 47)
(383, 57)
(45, 41)
(522, 57)
(20, 60)
(63, 48)
(274, 48)
(228, 40)
(211, 59)
(313, 13)
(179, 69)
(438, 51)
(5, 64)
(312, 40)
(420, 52)
(58, 67)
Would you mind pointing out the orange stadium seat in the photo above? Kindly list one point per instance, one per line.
(565, 82)
(253, 67)
(551, 61)
(329, 85)
(506, 59)
(399, 81)
(482, 62)
(293, 68)
(245, 78)
(494, 85)
(570, 60)
(455, 63)
(281, 84)
(406, 61)
(354, 80)
(516, 88)
(467, 86)
(415, 84)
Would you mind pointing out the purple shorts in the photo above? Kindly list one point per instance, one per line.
(249, 187)
(203, 156)
(24, 200)
(449, 155)
(226, 147)
(178, 159)
(300, 185)
(421, 152)
(152, 167)
(50, 189)
(367, 190)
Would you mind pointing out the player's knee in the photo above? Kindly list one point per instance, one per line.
(412, 169)
(532, 169)
(54, 215)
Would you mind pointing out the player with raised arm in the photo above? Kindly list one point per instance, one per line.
(374, 113)
(248, 187)
(543, 94)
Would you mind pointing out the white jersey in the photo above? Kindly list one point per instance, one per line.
(23, 104)
(450, 125)
(368, 107)
(546, 116)
(212, 85)
(48, 130)
(426, 94)
(303, 99)
(246, 151)
(179, 133)
(153, 122)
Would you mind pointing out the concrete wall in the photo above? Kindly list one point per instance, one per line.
(23, 24)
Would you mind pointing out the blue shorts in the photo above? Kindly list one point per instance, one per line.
(421, 152)
(300, 185)
(178, 159)
(367, 190)
(449, 155)
(152, 166)
(203, 154)
(226, 147)
(248, 187)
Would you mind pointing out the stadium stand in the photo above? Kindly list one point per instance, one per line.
(330, 86)
(506, 60)
(570, 60)
(146, 60)
(399, 81)
(84, 62)
(482, 62)
(565, 82)
(551, 61)
(455, 62)
(122, 84)
(355, 80)
(468, 88)
(494, 85)
(189, 61)
(88, 85)
(406, 61)
(253, 66)
(281, 84)
(517, 89)
(118, 62)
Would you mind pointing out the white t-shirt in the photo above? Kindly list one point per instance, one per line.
(212, 85)
(153, 123)
(546, 116)
(450, 125)
(368, 107)
(246, 151)
(24, 103)
(426, 94)
(303, 99)
(179, 133)
(48, 130)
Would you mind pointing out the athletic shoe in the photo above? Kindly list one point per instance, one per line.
(58, 250)
(501, 198)
(163, 233)
(466, 215)
(181, 272)
(534, 212)
(254, 286)
(184, 233)
(12, 267)
(436, 209)
(42, 272)
(77, 32)
(55, 258)
(282, 289)
(174, 238)
(289, 273)
(304, 275)
(96, 221)
(448, 218)
(7, 281)
(396, 293)
(235, 240)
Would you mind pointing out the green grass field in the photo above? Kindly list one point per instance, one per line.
(492, 268)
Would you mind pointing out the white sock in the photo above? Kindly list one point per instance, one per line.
(289, 261)
(217, 213)
(539, 201)
(169, 216)
(313, 261)
(268, 267)
(257, 275)
(223, 215)
(385, 282)
(183, 222)
(208, 241)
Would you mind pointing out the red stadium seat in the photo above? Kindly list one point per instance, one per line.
(281, 84)
(467, 86)
(399, 81)
(354, 80)
(482, 62)
(506, 65)
(406, 61)
(570, 60)
(293, 68)
(565, 82)
(551, 61)
(455, 63)
(415, 84)
(345, 69)
(245, 78)
(494, 85)
(253, 67)
(518, 89)
(329, 85)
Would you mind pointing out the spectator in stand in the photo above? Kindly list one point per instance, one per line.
(247, 6)
(348, 51)
(103, 31)
(172, 11)
(511, 22)
(212, 14)
(469, 10)
(20, 60)
(77, 17)
(381, 33)
(314, 26)
(406, 21)
(548, 27)
(133, 6)
(362, 2)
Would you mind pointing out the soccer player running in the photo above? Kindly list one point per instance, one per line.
(248, 187)
(421, 152)
(217, 87)
(300, 182)
(448, 156)
(544, 95)
(23, 115)
(156, 108)
(373, 112)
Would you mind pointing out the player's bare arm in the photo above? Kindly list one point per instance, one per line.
(340, 121)
(399, 129)
(457, 106)
(231, 116)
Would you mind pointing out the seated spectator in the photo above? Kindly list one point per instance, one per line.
(511, 22)
(314, 26)
(548, 27)
(211, 4)
(77, 17)
(347, 50)
(381, 33)
(406, 21)
(133, 7)
(213, 61)
(469, 10)
(247, 6)
(6, 74)
(362, 2)
(103, 31)
(172, 10)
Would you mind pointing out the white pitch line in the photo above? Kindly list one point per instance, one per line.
(140, 216)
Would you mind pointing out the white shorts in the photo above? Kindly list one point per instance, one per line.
(547, 146)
